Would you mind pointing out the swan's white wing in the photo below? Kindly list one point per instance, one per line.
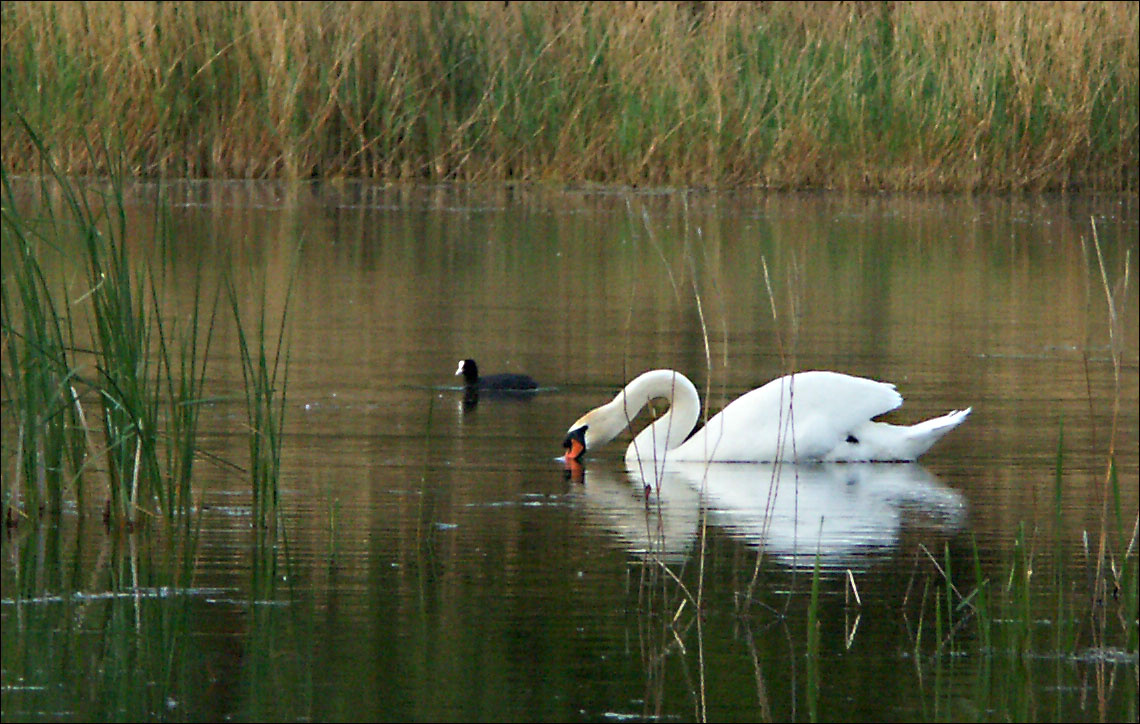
(803, 416)
(838, 396)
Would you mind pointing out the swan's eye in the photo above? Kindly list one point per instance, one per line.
(852, 439)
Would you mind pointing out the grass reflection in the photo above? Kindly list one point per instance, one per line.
(103, 634)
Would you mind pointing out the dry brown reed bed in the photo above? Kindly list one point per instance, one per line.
(898, 96)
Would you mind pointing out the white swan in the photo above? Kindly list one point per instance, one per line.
(808, 416)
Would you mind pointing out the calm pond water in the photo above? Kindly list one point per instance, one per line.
(437, 563)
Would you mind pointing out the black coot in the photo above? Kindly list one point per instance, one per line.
(507, 381)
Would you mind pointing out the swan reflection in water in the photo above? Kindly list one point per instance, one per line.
(846, 512)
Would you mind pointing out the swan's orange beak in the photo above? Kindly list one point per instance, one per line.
(575, 451)
(575, 444)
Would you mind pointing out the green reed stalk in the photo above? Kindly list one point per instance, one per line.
(938, 623)
(949, 593)
(1060, 612)
(1020, 592)
(265, 373)
(1127, 587)
(184, 382)
(981, 600)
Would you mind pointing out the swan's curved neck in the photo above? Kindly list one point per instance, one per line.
(669, 430)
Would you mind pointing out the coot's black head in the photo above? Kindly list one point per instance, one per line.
(469, 370)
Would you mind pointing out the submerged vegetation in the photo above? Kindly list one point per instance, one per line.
(897, 96)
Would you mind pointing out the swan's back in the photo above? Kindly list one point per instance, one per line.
(802, 416)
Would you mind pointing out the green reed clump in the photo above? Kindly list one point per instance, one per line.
(101, 354)
(923, 96)
(1015, 614)
(1027, 607)
(103, 383)
(265, 372)
(39, 378)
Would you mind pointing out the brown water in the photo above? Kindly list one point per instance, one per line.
(436, 561)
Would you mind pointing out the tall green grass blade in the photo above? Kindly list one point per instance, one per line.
(265, 376)
(982, 611)
(947, 575)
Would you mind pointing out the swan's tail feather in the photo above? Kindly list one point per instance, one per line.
(925, 434)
